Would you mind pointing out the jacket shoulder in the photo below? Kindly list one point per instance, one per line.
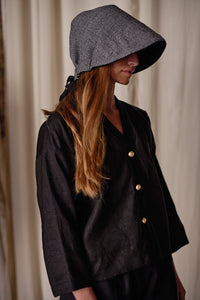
(54, 133)
(136, 113)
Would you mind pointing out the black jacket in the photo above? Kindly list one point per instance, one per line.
(133, 224)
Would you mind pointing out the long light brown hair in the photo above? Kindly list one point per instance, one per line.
(82, 109)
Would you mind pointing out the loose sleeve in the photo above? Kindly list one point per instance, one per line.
(64, 254)
(177, 232)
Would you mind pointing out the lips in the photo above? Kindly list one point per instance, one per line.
(129, 71)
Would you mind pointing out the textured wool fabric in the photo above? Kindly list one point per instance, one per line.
(105, 34)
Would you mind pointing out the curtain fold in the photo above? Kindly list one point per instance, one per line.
(170, 93)
(37, 65)
(7, 263)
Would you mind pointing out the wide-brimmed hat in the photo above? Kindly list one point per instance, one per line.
(106, 34)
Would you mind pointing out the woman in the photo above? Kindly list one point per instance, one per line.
(109, 225)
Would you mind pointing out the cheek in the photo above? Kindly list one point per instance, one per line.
(114, 72)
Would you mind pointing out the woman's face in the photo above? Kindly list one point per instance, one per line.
(121, 70)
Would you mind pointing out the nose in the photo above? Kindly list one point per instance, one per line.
(133, 60)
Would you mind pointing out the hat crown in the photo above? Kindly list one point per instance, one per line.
(105, 34)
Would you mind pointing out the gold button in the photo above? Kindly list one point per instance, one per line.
(144, 220)
(138, 187)
(131, 154)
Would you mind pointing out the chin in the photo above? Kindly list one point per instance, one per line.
(124, 82)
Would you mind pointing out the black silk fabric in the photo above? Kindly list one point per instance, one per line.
(87, 240)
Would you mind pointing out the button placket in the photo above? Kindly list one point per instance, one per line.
(138, 186)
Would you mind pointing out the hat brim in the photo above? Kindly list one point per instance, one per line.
(149, 55)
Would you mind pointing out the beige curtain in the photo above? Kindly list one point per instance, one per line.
(170, 92)
(7, 265)
(37, 64)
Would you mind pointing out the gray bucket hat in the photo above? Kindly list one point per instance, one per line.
(106, 34)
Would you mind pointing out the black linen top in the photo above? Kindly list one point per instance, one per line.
(134, 223)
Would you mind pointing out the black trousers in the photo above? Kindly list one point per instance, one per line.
(153, 282)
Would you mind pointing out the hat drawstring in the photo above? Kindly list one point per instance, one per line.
(68, 86)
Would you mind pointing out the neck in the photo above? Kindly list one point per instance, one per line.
(110, 105)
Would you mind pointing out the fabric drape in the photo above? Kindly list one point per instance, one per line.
(37, 65)
(7, 266)
(174, 107)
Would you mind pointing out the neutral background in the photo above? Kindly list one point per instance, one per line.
(37, 64)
